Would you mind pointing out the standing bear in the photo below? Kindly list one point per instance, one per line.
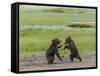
(53, 50)
(70, 44)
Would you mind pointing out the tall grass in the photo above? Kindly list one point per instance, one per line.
(38, 26)
(51, 17)
(38, 41)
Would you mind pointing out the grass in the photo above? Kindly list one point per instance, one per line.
(47, 17)
(47, 23)
(81, 26)
(39, 41)
(53, 18)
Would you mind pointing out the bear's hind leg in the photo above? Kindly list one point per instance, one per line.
(71, 58)
(50, 59)
(78, 57)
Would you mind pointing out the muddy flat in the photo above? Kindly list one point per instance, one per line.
(39, 62)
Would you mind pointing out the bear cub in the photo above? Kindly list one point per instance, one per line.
(70, 44)
(53, 50)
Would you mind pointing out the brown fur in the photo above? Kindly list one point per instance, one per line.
(53, 50)
(70, 44)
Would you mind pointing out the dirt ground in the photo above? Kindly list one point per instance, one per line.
(40, 63)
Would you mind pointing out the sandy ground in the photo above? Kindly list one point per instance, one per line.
(40, 63)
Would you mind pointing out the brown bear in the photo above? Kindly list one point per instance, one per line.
(53, 50)
(70, 44)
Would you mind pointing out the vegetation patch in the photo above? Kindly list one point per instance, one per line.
(81, 26)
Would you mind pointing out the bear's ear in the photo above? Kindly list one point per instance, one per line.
(53, 41)
(69, 37)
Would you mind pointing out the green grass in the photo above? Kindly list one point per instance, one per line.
(54, 18)
(37, 40)
(81, 26)
(41, 17)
